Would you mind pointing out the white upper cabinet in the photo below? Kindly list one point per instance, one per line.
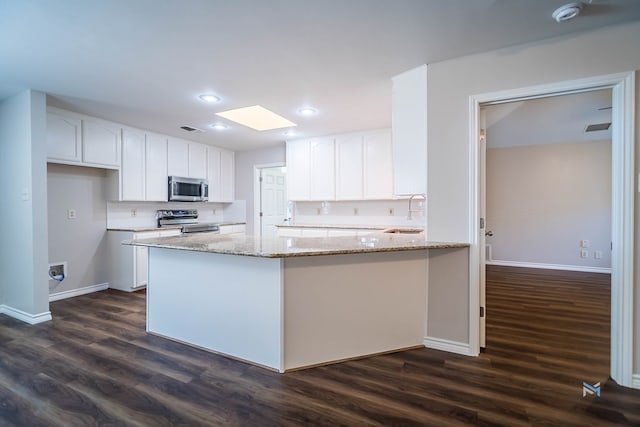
(378, 165)
(133, 165)
(349, 166)
(322, 175)
(101, 143)
(409, 124)
(298, 163)
(178, 157)
(156, 183)
(64, 137)
(197, 160)
(220, 174)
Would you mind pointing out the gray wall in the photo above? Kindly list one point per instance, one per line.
(244, 164)
(81, 242)
(543, 199)
(451, 83)
(23, 216)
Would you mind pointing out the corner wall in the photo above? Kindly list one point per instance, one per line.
(451, 83)
(23, 217)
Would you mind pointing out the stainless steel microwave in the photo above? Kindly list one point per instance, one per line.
(188, 189)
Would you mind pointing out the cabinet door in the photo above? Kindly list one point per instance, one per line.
(140, 266)
(349, 167)
(178, 157)
(101, 143)
(133, 164)
(197, 160)
(409, 123)
(378, 166)
(322, 180)
(156, 168)
(63, 137)
(213, 174)
(227, 171)
(298, 163)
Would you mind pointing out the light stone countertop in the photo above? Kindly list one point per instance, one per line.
(168, 227)
(282, 247)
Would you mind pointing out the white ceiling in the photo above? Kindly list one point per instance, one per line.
(552, 120)
(144, 62)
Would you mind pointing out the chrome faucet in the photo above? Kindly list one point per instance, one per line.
(411, 211)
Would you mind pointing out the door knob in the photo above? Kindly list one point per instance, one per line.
(488, 233)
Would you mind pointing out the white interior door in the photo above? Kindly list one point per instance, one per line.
(273, 200)
(482, 153)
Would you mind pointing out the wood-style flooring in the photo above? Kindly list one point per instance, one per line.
(95, 365)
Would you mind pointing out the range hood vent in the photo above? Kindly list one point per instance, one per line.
(597, 127)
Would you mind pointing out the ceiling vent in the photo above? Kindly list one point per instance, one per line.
(597, 127)
(190, 128)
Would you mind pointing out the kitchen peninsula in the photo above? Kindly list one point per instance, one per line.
(291, 302)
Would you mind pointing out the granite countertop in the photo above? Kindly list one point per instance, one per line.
(168, 227)
(282, 247)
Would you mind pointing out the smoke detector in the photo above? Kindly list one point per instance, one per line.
(567, 12)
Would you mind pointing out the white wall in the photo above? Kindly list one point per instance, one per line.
(80, 242)
(543, 200)
(244, 165)
(23, 216)
(451, 83)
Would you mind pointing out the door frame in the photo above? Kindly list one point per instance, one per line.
(622, 206)
(257, 221)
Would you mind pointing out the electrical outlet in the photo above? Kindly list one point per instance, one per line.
(597, 254)
(356, 211)
(584, 243)
(213, 211)
(318, 211)
(134, 212)
(71, 214)
(391, 212)
(584, 253)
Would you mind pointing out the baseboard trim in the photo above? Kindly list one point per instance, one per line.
(550, 266)
(31, 319)
(447, 345)
(77, 292)
(635, 381)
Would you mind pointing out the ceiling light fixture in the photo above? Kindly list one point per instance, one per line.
(219, 126)
(307, 111)
(210, 98)
(567, 12)
(256, 117)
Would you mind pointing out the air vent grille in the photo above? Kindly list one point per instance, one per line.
(597, 127)
(190, 128)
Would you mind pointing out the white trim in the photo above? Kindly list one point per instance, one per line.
(31, 319)
(446, 345)
(257, 226)
(77, 292)
(585, 269)
(622, 218)
(635, 381)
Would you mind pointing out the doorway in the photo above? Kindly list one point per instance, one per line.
(271, 203)
(622, 230)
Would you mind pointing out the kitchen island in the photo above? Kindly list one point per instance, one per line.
(287, 303)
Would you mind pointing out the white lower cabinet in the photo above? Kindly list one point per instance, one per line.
(233, 229)
(129, 264)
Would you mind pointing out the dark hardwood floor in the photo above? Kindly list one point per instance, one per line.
(95, 365)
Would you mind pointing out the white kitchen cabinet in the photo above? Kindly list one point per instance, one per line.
(377, 166)
(233, 229)
(298, 162)
(409, 124)
(156, 168)
(178, 157)
(349, 167)
(322, 178)
(197, 160)
(129, 264)
(101, 143)
(227, 175)
(132, 172)
(64, 137)
(213, 174)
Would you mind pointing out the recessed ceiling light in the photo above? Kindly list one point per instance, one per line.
(256, 117)
(210, 98)
(567, 12)
(307, 111)
(219, 126)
